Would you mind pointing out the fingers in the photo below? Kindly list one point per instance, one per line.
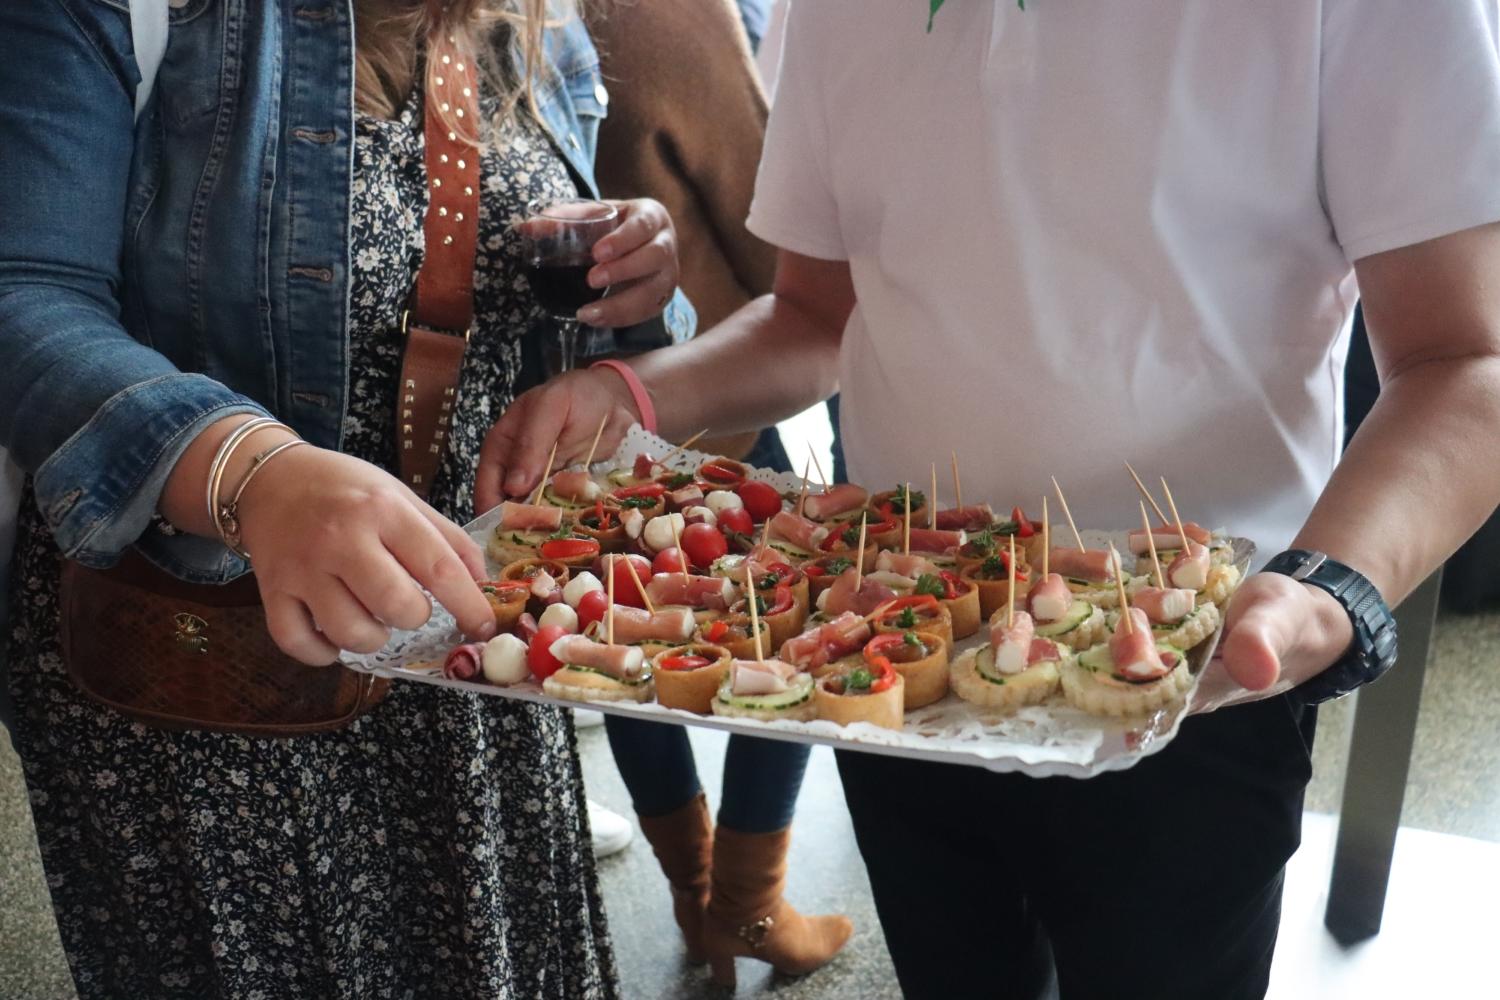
(467, 550)
(291, 627)
(643, 220)
(343, 618)
(1251, 656)
(426, 555)
(1259, 629)
(632, 304)
(531, 435)
(495, 454)
(387, 590)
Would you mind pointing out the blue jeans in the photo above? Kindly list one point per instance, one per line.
(761, 777)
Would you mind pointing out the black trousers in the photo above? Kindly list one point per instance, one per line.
(1162, 882)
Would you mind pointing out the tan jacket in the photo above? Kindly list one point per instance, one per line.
(687, 117)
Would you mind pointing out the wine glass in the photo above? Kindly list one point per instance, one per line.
(557, 239)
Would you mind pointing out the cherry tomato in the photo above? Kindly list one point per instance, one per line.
(717, 630)
(761, 499)
(626, 592)
(703, 544)
(591, 608)
(682, 662)
(737, 520)
(539, 654)
(569, 548)
(1023, 525)
(670, 560)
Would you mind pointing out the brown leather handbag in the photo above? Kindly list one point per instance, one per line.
(187, 656)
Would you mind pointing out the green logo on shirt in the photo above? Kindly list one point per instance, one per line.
(935, 5)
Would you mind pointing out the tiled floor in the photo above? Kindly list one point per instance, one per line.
(1437, 940)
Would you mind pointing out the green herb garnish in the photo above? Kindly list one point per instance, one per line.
(638, 502)
(929, 584)
(767, 581)
(911, 639)
(907, 618)
(680, 480)
(904, 501)
(993, 567)
(850, 536)
(560, 535)
(859, 679)
(982, 543)
(837, 566)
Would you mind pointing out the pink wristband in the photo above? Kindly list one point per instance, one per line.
(637, 390)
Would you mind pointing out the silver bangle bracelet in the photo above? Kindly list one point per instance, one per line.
(228, 521)
(221, 459)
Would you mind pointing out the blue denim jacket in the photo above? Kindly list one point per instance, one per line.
(158, 276)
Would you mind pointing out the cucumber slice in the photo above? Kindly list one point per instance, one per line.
(522, 539)
(788, 549)
(623, 477)
(800, 691)
(984, 666)
(558, 501)
(1078, 613)
(644, 678)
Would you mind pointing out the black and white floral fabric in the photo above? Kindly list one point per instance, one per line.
(437, 848)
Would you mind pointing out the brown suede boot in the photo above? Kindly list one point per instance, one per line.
(683, 842)
(748, 918)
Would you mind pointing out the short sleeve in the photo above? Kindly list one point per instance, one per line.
(1410, 120)
(794, 206)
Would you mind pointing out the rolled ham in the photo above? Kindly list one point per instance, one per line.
(622, 662)
(644, 466)
(798, 530)
(840, 499)
(464, 663)
(576, 485)
(843, 597)
(1164, 606)
(1168, 538)
(711, 593)
(1043, 649)
(526, 627)
(543, 585)
(1092, 565)
(913, 565)
(824, 643)
(1134, 652)
(529, 517)
(1050, 599)
(975, 517)
(688, 496)
(1012, 643)
(666, 625)
(1190, 569)
(633, 521)
(752, 677)
(929, 540)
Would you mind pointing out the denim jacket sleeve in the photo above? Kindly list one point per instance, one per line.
(97, 417)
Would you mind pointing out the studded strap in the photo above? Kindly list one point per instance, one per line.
(437, 323)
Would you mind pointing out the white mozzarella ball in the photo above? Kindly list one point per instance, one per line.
(559, 614)
(504, 660)
(581, 584)
(659, 534)
(719, 501)
(700, 515)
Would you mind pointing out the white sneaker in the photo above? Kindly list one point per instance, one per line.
(612, 832)
(587, 718)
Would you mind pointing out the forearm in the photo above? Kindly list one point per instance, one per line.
(768, 361)
(1418, 479)
(184, 497)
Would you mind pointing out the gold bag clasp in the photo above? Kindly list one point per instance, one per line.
(191, 631)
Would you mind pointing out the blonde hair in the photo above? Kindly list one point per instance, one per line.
(390, 36)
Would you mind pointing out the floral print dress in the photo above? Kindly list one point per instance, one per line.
(436, 848)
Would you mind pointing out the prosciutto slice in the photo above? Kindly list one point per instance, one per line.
(640, 625)
(913, 565)
(529, 517)
(622, 662)
(752, 677)
(1168, 538)
(711, 593)
(824, 643)
(838, 500)
(1043, 649)
(842, 597)
(543, 585)
(931, 540)
(577, 485)
(1050, 599)
(975, 517)
(687, 496)
(463, 663)
(798, 530)
(1190, 569)
(1164, 606)
(1012, 643)
(644, 466)
(633, 521)
(1134, 652)
(1092, 565)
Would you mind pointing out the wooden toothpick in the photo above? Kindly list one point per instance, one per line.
(546, 475)
(932, 501)
(1161, 581)
(595, 446)
(906, 524)
(1046, 538)
(1120, 585)
(958, 488)
(859, 557)
(754, 615)
(681, 448)
(765, 533)
(609, 617)
(677, 541)
(1172, 506)
(802, 499)
(819, 467)
(1147, 494)
(640, 588)
(1010, 592)
(1068, 514)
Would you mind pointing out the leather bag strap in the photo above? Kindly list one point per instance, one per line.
(437, 322)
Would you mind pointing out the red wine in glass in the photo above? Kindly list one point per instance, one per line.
(558, 240)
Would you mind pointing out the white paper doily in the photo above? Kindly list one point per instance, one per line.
(1042, 741)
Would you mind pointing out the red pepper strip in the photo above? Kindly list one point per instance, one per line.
(717, 630)
(876, 648)
(783, 602)
(568, 548)
(885, 673)
(683, 662)
(643, 490)
(951, 583)
(1023, 526)
(919, 602)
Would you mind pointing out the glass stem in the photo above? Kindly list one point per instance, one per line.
(569, 335)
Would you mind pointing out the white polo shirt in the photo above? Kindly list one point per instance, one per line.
(1090, 231)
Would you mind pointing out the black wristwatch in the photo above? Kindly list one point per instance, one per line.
(1374, 648)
